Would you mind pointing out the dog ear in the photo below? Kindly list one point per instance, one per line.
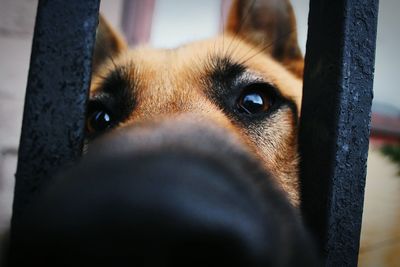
(270, 25)
(109, 43)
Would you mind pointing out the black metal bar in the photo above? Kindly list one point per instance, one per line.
(55, 102)
(334, 129)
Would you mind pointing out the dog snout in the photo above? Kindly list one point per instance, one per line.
(146, 196)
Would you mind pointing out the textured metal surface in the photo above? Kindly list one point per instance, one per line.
(334, 130)
(56, 94)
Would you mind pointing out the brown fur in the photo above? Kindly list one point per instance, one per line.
(271, 21)
(170, 83)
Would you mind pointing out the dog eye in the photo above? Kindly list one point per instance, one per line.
(98, 121)
(255, 99)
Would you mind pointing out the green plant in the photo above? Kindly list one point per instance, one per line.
(393, 152)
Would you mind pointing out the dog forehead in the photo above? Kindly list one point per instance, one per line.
(187, 66)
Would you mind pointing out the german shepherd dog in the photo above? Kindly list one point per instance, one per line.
(191, 155)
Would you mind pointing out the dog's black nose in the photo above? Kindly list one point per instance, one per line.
(162, 205)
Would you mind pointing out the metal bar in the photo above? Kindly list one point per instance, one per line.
(334, 128)
(56, 95)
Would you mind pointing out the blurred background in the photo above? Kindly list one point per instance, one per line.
(169, 23)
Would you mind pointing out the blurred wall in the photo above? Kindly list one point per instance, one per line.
(387, 61)
(176, 21)
(16, 27)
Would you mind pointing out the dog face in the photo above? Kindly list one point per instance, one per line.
(191, 155)
(246, 81)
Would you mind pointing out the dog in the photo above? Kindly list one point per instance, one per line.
(191, 154)
(261, 52)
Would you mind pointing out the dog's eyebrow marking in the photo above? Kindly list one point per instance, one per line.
(223, 70)
(119, 82)
(117, 91)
